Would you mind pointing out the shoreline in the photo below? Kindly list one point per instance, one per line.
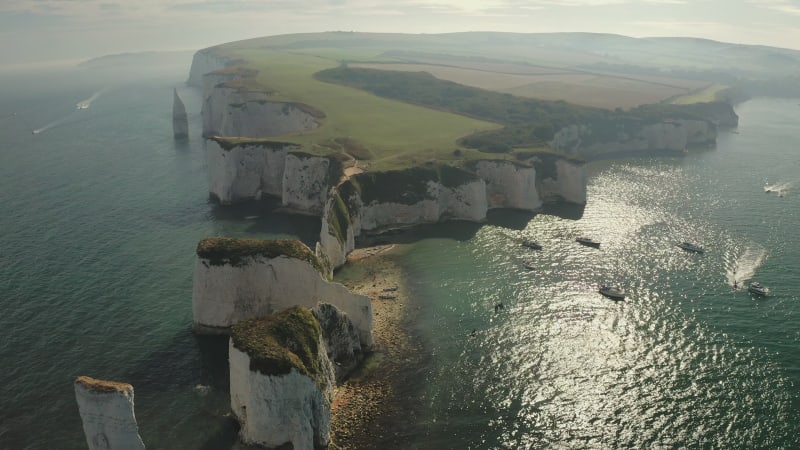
(369, 407)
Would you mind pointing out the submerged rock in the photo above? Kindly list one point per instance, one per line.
(106, 409)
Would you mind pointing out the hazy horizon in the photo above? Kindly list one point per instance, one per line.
(42, 32)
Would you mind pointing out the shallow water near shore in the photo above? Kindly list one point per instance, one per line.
(102, 211)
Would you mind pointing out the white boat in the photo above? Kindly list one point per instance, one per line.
(588, 242)
(689, 247)
(756, 288)
(532, 245)
(613, 292)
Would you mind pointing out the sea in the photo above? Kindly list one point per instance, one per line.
(102, 210)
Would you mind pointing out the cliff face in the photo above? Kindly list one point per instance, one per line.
(232, 109)
(225, 293)
(106, 409)
(509, 185)
(671, 136)
(305, 182)
(569, 185)
(246, 171)
(340, 337)
(465, 202)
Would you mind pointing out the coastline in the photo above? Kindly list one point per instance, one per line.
(370, 407)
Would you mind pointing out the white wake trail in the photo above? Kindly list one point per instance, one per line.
(85, 104)
(779, 188)
(745, 265)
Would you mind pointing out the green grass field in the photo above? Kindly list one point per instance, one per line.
(707, 94)
(396, 133)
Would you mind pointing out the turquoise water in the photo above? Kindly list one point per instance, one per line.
(685, 361)
(102, 211)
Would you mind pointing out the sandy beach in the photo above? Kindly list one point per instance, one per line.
(368, 407)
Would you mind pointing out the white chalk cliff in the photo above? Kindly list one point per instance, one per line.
(509, 185)
(224, 293)
(495, 184)
(669, 135)
(106, 410)
(246, 171)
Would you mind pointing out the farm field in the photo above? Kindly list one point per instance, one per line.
(581, 87)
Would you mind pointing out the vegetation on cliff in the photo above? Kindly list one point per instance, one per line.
(280, 342)
(234, 252)
(96, 385)
(528, 122)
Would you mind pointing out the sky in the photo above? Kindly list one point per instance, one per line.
(41, 32)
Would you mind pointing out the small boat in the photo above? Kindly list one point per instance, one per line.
(613, 292)
(689, 247)
(756, 288)
(529, 265)
(588, 242)
(532, 245)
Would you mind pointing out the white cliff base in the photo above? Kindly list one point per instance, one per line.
(106, 410)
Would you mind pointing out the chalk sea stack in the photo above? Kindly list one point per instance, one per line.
(180, 122)
(106, 409)
(281, 380)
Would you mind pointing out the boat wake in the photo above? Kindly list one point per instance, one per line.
(53, 124)
(80, 106)
(85, 104)
(779, 188)
(745, 265)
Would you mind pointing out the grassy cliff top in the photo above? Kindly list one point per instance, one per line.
(396, 101)
(96, 385)
(278, 343)
(232, 251)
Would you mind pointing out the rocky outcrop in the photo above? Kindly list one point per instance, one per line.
(180, 122)
(239, 279)
(106, 409)
(281, 381)
(607, 139)
(340, 336)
